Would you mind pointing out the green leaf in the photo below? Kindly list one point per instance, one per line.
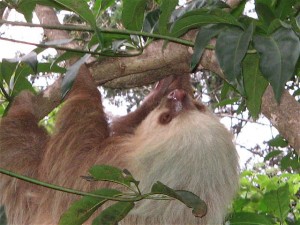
(113, 214)
(31, 60)
(66, 56)
(278, 141)
(50, 67)
(278, 202)
(239, 10)
(100, 6)
(249, 218)
(203, 37)
(225, 89)
(8, 68)
(188, 198)
(133, 14)
(296, 23)
(290, 161)
(82, 9)
(254, 83)
(276, 24)
(3, 219)
(231, 47)
(81, 210)
(20, 84)
(27, 10)
(71, 75)
(227, 101)
(272, 154)
(14, 74)
(151, 21)
(284, 8)
(109, 173)
(200, 17)
(167, 7)
(279, 53)
(264, 12)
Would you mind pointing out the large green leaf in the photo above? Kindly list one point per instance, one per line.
(15, 73)
(109, 173)
(278, 141)
(279, 54)
(202, 17)
(264, 11)
(133, 14)
(113, 214)
(81, 210)
(272, 154)
(8, 68)
(203, 37)
(188, 198)
(284, 8)
(278, 202)
(231, 47)
(19, 83)
(290, 161)
(167, 7)
(254, 84)
(249, 218)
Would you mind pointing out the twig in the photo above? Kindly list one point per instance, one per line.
(69, 49)
(88, 29)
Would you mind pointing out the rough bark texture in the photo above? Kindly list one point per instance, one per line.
(284, 116)
(156, 63)
(48, 16)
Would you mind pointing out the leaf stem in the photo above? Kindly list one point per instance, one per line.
(89, 29)
(70, 49)
(67, 190)
(77, 192)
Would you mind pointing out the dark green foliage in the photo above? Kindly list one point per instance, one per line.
(188, 198)
(83, 209)
(3, 220)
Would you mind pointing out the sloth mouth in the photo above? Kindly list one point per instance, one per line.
(180, 100)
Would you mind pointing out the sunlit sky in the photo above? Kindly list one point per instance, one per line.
(252, 134)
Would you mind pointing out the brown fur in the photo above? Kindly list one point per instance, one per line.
(193, 151)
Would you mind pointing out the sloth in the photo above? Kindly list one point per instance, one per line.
(171, 138)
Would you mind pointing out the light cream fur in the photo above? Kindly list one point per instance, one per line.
(194, 152)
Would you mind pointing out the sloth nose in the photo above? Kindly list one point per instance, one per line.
(177, 94)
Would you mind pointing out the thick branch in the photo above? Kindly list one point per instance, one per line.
(155, 63)
(284, 116)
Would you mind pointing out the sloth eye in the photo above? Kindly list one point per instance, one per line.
(165, 118)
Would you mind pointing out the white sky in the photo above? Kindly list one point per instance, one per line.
(252, 134)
